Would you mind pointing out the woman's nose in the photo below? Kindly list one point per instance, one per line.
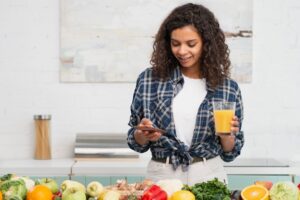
(182, 50)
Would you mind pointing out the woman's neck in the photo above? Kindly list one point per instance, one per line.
(191, 73)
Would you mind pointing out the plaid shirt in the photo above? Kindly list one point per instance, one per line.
(153, 98)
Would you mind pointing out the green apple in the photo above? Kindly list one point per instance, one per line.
(72, 184)
(73, 194)
(110, 195)
(94, 189)
(50, 183)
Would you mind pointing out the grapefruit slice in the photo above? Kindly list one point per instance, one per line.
(255, 192)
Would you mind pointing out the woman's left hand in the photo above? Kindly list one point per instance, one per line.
(227, 141)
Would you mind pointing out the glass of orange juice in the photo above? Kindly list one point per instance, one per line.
(223, 114)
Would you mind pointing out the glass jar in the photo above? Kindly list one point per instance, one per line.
(42, 137)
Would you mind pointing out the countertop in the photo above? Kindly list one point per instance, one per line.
(129, 167)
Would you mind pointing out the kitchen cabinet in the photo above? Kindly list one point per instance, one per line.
(238, 182)
(297, 179)
(58, 179)
(107, 180)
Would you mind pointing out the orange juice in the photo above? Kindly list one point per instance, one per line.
(223, 121)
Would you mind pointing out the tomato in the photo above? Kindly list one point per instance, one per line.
(39, 192)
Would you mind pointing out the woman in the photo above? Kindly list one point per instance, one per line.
(190, 70)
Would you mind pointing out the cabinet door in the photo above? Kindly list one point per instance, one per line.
(110, 180)
(80, 179)
(238, 182)
(104, 180)
(134, 179)
(297, 180)
(60, 179)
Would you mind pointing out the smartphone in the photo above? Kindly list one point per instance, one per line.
(150, 129)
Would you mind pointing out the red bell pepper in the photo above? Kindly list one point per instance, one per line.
(155, 193)
(162, 195)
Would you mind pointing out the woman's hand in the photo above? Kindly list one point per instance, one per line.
(235, 125)
(143, 137)
(227, 141)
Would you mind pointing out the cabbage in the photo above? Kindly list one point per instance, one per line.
(170, 185)
(284, 191)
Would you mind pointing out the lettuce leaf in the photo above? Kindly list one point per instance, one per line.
(284, 190)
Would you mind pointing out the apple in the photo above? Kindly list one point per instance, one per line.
(94, 189)
(73, 194)
(266, 184)
(110, 195)
(57, 195)
(72, 184)
(50, 183)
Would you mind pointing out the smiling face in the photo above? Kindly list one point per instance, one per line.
(186, 46)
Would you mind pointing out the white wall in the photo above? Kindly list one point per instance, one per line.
(29, 84)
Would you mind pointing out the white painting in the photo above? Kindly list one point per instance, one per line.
(111, 41)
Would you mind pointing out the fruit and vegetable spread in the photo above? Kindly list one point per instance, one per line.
(13, 187)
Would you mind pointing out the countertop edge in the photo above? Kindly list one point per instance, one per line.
(71, 167)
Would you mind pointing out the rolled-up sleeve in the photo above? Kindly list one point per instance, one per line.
(135, 117)
(239, 137)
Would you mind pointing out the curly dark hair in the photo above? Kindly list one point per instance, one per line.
(214, 61)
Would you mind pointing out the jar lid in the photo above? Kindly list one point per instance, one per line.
(41, 117)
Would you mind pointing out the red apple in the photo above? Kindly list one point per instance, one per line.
(266, 184)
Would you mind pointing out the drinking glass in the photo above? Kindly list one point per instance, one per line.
(223, 114)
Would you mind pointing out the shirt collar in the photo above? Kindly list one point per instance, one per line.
(176, 76)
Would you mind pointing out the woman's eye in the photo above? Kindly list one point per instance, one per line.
(192, 45)
(175, 44)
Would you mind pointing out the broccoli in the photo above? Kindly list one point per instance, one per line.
(6, 177)
(12, 189)
(15, 197)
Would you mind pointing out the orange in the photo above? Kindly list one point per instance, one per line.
(39, 192)
(255, 192)
(0, 195)
(182, 195)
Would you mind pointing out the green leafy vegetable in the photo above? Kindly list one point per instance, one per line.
(211, 190)
(284, 191)
(6, 177)
(132, 197)
(14, 197)
(13, 189)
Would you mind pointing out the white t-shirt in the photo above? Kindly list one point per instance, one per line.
(185, 107)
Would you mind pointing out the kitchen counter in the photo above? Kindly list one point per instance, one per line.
(54, 167)
(127, 167)
(116, 167)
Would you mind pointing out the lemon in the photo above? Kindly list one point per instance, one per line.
(182, 195)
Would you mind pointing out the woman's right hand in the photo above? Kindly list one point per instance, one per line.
(143, 137)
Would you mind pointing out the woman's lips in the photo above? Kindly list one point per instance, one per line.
(184, 60)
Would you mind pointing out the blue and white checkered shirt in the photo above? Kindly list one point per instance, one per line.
(153, 98)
